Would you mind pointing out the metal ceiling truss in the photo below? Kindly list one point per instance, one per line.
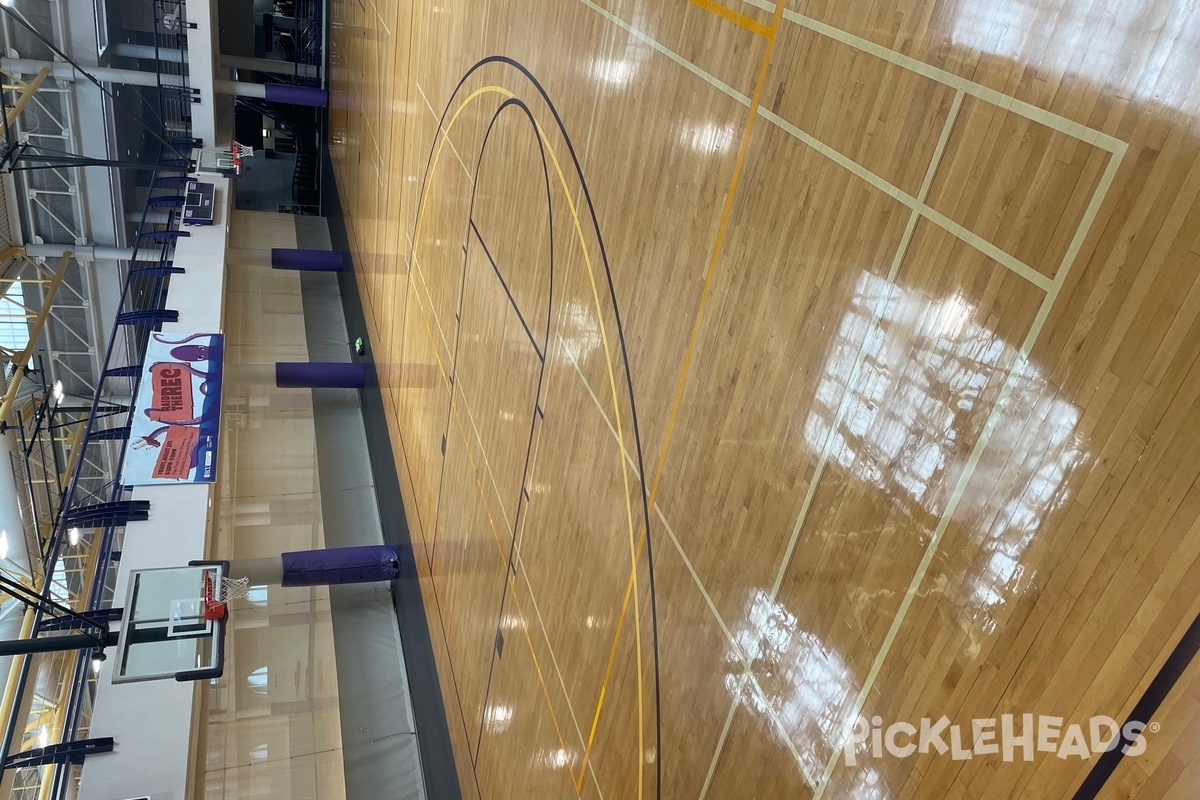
(71, 449)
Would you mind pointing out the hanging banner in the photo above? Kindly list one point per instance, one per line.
(173, 438)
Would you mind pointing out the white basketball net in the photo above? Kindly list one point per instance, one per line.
(227, 589)
(241, 150)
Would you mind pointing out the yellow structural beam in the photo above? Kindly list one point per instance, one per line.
(26, 94)
(23, 357)
(75, 446)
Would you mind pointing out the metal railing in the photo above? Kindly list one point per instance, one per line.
(83, 574)
(145, 289)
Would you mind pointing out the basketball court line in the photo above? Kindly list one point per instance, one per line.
(717, 246)
(1016, 372)
(712, 767)
(523, 497)
(608, 360)
(496, 536)
(442, 132)
(606, 45)
(1051, 120)
(1098, 195)
(433, 585)
(382, 21)
(634, 547)
(1050, 286)
(736, 17)
(671, 54)
(462, 394)
(508, 292)
(483, 449)
(987, 94)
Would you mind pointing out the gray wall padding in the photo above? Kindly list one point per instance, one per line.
(379, 740)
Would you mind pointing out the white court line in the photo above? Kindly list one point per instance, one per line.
(558, 674)
(913, 203)
(462, 394)
(712, 606)
(1008, 102)
(671, 54)
(445, 136)
(860, 358)
(712, 768)
(941, 220)
(1014, 375)
(848, 394)
(382, 21)
(1089, 216)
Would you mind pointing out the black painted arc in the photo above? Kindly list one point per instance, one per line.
(505, 60)
(522, 494)
(504, 285)
(1164, 681)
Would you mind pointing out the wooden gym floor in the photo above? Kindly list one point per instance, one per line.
(883, 318)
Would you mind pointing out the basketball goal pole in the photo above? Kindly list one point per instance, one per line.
(56, 644)
(328, 567)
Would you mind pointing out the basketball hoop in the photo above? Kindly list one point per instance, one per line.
(218, 593)
(238, 152)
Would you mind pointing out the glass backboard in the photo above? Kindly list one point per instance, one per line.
(165, 632)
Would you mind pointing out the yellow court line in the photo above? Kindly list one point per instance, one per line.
(722, 227)
(736, 17)
(634, 550)
(1027, 110)
(496, 536)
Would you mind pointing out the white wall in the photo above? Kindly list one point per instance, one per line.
(151, 721)
(202, 49)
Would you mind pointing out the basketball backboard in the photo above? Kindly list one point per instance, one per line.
(172, 628)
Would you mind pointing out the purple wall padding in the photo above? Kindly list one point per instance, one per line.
(320, 375)
(341, 565)
(297, 95)
(308, 260)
